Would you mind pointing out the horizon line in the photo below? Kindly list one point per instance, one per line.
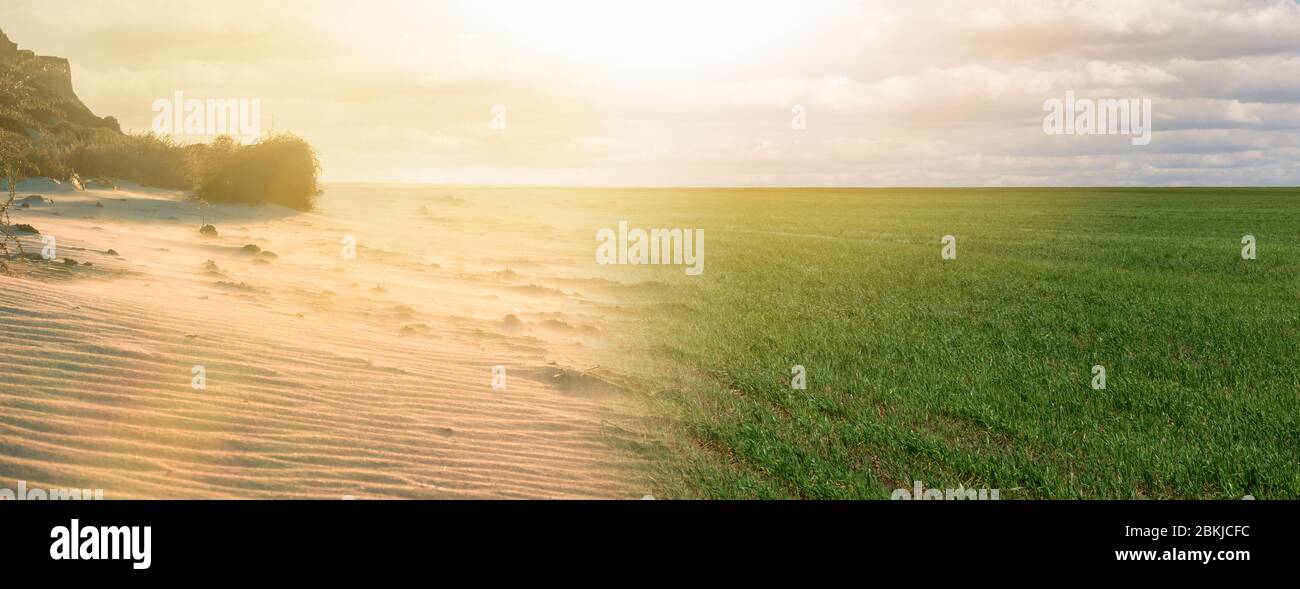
(755, 187)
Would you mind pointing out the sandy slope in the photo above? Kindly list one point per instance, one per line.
(325, 377)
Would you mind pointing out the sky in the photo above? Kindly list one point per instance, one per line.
(710, 92)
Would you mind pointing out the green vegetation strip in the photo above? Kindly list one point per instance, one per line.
(975, 372)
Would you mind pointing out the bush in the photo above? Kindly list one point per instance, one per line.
(281, 169)
(144, 159)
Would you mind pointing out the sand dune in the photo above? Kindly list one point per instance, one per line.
(325, 377)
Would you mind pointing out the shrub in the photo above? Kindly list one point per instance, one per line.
(281, 169)
(144, 159)
(13, 168)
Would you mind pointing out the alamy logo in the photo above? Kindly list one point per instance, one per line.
(49, 247)
(349, 251)
(1102, 116)
(920, 493)
(498, 378)
(655, 246)
(60, 494)
(74, 542)
(199, 380)
(237, 117)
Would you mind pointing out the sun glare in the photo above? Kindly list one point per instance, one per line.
(668, 33)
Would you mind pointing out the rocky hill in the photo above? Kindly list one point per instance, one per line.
(36, 95)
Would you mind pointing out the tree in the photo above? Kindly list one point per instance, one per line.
(17, 98)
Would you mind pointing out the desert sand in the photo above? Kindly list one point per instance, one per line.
(325, 377)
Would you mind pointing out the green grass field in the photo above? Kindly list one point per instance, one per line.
(976, 371)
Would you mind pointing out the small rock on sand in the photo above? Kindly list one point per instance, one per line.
(208, 231)
(25, 228)
(252, 248)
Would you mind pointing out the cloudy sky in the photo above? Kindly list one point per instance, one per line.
(704, 92)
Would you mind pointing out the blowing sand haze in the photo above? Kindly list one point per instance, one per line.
(323, 376)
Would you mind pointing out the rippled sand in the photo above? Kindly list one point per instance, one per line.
(325, 377)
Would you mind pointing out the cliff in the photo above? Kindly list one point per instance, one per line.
(47, 83)
(8, 49)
